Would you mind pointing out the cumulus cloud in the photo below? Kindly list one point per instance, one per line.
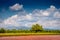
(17, 20)
(29, 17)
(44, 17)
(57, 14)
(12, 21)
(16, 7)
(46, 12)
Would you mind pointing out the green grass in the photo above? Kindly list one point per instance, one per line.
(26, 34)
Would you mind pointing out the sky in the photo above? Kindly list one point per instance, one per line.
(25, 13)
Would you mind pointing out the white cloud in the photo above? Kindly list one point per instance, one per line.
(41, 12)
(29, 17)
(15, 20)
(52, 7)
(57, 14)
(12, 21)
(51, 24)
(45, 13)
(43, 17)
(16, 7)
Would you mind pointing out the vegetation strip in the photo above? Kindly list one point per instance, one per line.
(35, 30)
(25, 34)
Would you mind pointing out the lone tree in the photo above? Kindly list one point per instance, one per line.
(36, 28)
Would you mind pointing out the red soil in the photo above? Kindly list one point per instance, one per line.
(40, 37)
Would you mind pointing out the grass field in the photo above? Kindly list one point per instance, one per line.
(26, 34)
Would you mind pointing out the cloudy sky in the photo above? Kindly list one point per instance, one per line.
(24, 13)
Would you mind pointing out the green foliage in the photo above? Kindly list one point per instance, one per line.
(2, 30)
(36, 28)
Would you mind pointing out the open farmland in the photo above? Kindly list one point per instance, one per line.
(32, 37)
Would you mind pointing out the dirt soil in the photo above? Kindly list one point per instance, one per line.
(40, 37)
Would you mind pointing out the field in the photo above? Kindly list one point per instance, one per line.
(29, 36)
(26, 34)
(32, 37)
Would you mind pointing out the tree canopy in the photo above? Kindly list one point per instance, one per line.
(36, 27)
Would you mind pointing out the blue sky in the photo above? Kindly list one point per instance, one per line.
(24, 13)
(28, 5)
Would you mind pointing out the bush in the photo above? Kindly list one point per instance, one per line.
(2, 30)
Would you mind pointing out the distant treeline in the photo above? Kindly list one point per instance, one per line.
(34, 29)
